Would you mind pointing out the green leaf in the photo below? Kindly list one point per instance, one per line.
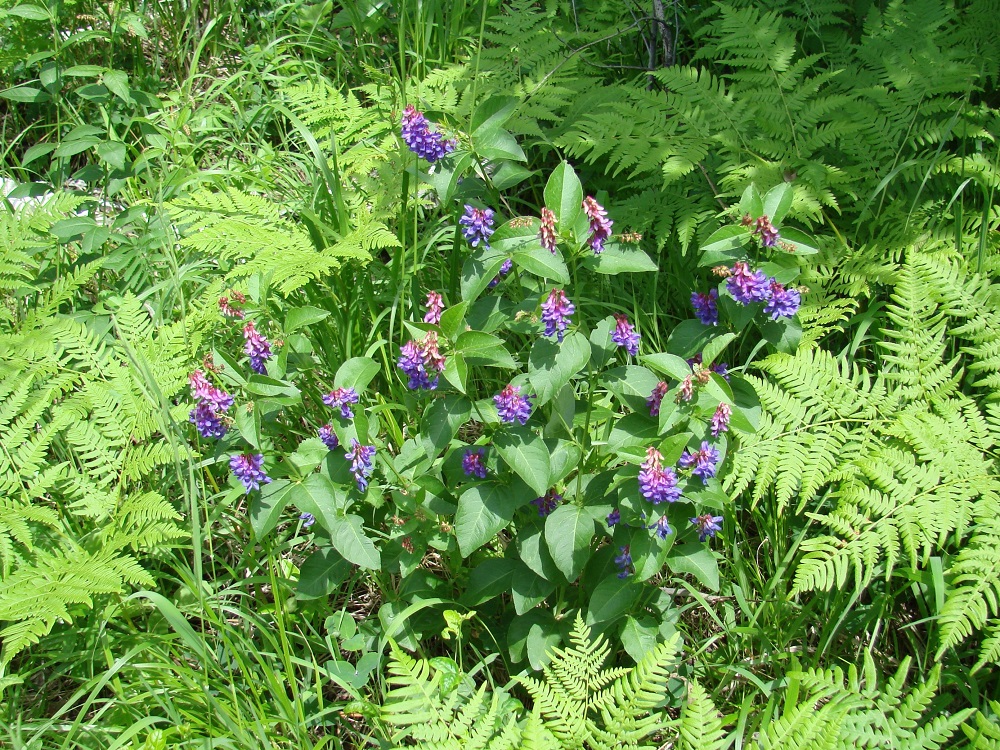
(322, 572)
(442, 420)
(267, 506)
(356, 373)
(456, 371)
(632, 384)
(689, 338)
(638, 637)
(615, 260)
(602, 348)
(534, 552)
(668, 364)
(784, 333)
(321, 497)
(25, 94)
(564, 196)
(453, 319)
(112, 153)
(261, 385)
(534, 258)
(564, 456)
(527, 455)
(714, 348)
(612, 598)
(78, 145)
(445, 178)
(568, 533)
(490, 578)
(497, 143)
(348, 536)
(695, 559)
(36, 151)
(483, 510)
(484, 348)
(724, 246)
(30, 12)
(777, 202)
(552, 365)
(117, 83)
(479, 270)
(493, 113)
(751, 202)
(529, 589)
(802, 242)
(299, 317)
(248, 424)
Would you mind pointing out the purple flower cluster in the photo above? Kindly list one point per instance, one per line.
(656, 398)
(435, 306)
(248, 468)
(748, 286)
(701, 462)
(548, 503)
(504, 270)
(257, 348)
(720, 420)
(420, 139)
(686, 391)
(342, 398)
(766, 231)
(512, 406)
(474, 463)
(625, 335)
(706, 306)
(656, 483)
(662, 527)
(600, 224)
(478, 225)
(624, 562)
(547, 231)
(707, 525)
(212, 404)
(556, 311)
(614, 518)
(361, 457)
(421, 362)
(329, 437)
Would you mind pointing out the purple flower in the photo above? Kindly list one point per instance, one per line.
(720, 420)
(548, 503)
(656, 398)
(656, 483)
(614, 517)
(207, 420)
(748, 286)
(556, 311)
(662, 527)
(600, 224)
(257, 348)
(474, 463)
(360, 457)
(420, 140)
(342, 398)
(625, 335)
(504, 270)
(547, 231)
(308, 519)
(329, 437)
(419, 360)
(706, 306)
(686, 391)
(784, 303)
(707, 525)
(721, 369)
(248, 469)
(624, 562)
(512, 406)
(766, 231)
(435, 306)
(478, 225)
(703, 461)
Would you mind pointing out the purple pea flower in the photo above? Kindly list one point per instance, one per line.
(614, 518)
(207, 420)
(556, 311)
(257, 348)
(360, 457)
(720, 420)
(703, 461)
(708, 525)
(474, 463)
(548, 503)
(512, 406)
(419, 360)
(766, 231)
(662, 528)
(706, 306)
(504, 270)
(655, 398)
(248, 468)
(547, 231)
(329, 437)
(342, 398)
(600, 224)
(748, 286)
(419, 138)
(435, 306)
(625, 335)
(477, 225)
(212, 404)
(624, 562)
(656, 483)
(784, 303)
(308, 519)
